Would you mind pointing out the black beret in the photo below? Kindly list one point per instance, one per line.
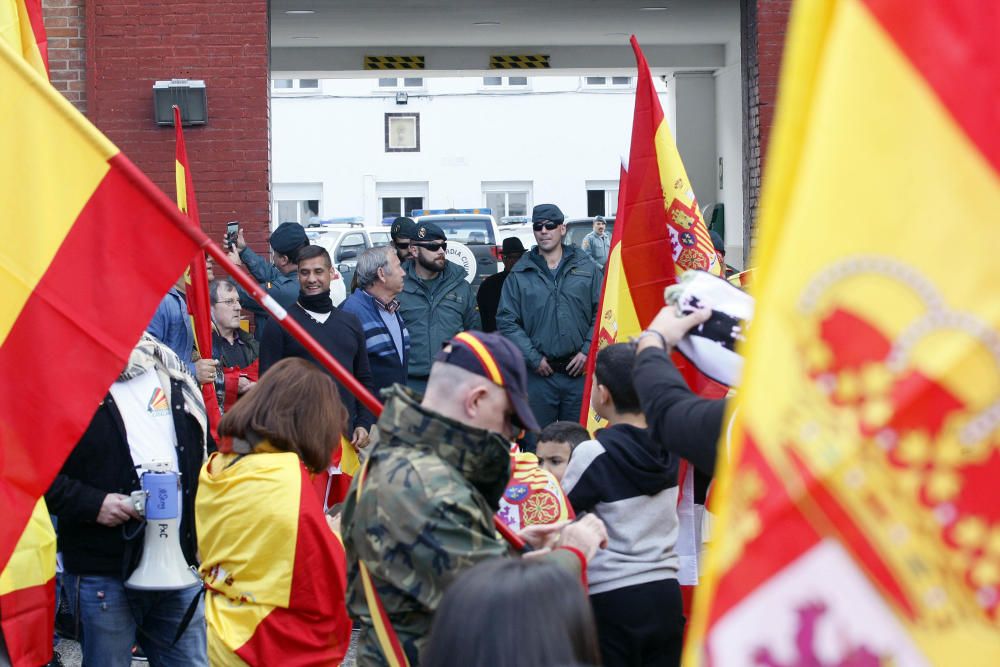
(547, 212)
(287, 237)
(428, 231)
(403, 227)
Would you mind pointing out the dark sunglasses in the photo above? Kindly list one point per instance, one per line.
(433, 247)
(548, 225)
(401, 245)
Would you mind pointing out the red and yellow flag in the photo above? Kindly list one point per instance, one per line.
(275, 596)
(859, 515)
(22, 28)
(198, 302)
(659, 233)
(90, 247)
(28, 593)
(533, 496)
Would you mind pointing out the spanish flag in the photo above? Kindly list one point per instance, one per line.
(533, 496)
(89, 248)
(275, 573)
(197, 295)
(28, 593)
(659, 233)
(22, 28)
(859, 514)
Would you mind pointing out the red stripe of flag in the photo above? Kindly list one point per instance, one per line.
(77, 329)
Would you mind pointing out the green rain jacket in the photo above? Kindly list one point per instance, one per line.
(550, 317)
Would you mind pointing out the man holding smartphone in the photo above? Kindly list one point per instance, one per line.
(547, 308)
(279, 278)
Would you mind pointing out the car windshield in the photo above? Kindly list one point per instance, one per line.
(467, 229)
(327, 239)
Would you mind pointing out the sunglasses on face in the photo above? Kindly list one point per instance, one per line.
(433, 247)
(547, 225)
(402, 245)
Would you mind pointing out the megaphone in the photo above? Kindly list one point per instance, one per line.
(162, 566)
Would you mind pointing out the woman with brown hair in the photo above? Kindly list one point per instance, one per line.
(274, 572)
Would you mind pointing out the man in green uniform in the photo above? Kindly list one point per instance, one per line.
(547, 308)
(424, 510)
(436, 302)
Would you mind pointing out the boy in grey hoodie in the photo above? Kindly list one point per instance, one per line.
(630, 482)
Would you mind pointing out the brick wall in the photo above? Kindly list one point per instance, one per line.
(64, 26)
(131, 44)
(763, 26)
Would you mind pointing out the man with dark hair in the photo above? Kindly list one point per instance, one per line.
(488, 296)
(555, 446)
(547, 308)
(402, 233)
(597, 243)
(234, 349)
(436, 302)
(630, 482)
(380, 280)
(422, 511)
(339, 332)
(277, 278)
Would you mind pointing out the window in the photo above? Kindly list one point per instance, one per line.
(380, 239)
(295, 85)
(504, 82)
(400, 198)
(400, 82)
(602, 198)
(507, 198)
(296, 202)
(394, 207)
(607, 82)
(402, 133)
(352, 246)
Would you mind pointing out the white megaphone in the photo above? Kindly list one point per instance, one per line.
(162, 566)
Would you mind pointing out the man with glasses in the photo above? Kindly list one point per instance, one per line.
(402, 233)
(235, 349)
(436, 302)
(547, 308)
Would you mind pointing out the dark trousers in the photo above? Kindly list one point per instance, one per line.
(640, 625)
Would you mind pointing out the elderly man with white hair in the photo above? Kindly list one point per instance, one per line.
(380, 280)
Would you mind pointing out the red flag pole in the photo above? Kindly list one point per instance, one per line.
(197, 296)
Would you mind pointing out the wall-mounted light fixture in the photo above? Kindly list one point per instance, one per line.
(402, 97)
(189, 95)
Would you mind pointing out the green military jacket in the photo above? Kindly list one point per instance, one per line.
(546, 316)
(434, 311)
(426, 511)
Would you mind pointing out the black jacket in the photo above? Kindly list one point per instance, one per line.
(683, 422)
(101, 464)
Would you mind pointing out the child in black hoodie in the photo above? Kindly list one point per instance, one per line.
(630, 483)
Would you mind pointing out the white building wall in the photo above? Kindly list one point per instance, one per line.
(557, 135)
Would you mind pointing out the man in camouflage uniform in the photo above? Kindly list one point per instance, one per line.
(432, 485)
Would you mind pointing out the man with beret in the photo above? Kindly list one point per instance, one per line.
(488, 296)
(547, 308)
(279, 279)
(402, 232)
(436, 302)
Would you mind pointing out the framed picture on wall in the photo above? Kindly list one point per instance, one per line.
(402, 132)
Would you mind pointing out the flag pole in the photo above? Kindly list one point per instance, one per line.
(308, 342)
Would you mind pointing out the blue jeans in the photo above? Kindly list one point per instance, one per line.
(553, 398)
(109, 615)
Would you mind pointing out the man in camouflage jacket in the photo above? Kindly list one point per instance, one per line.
(431, 486)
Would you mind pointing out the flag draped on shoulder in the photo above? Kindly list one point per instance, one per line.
(22, 28)
(90, 247)
(859, 514)
(199, 304)
(275, 595)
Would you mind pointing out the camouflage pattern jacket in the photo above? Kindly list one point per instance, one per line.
(425, 515)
